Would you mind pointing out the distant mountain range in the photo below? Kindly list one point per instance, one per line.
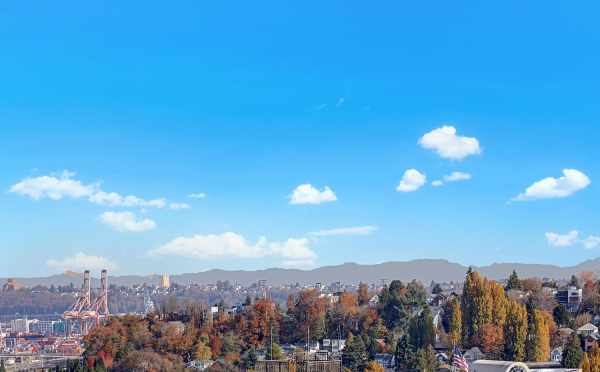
(424, 270)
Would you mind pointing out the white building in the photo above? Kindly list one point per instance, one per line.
(20, 325)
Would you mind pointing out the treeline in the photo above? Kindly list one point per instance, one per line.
(518, 322)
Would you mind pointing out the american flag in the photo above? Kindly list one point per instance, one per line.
(458, 360)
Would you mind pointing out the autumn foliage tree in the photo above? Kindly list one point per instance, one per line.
(483, 303)
(538, 336)
(515, 331)
(455, 323)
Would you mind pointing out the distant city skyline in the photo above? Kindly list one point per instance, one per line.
(373, 135)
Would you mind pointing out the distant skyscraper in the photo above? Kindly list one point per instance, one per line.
(165, 281)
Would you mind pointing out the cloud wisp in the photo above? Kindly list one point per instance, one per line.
(64, 185)
(452, 177)
(126, 222)
(80, 262)
(356, 230)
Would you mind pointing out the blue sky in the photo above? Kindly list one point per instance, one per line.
(245, 102)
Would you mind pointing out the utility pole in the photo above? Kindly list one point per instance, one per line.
(271, 333)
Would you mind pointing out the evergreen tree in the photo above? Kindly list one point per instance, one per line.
(513, 281)
(561, 315)
(574, 281)
(249, 359)
(274, 352)
(572, 353)
(421, 330)
(468, 306)
(363, 294)
(355, 355)
(404, 355)
(426, 360)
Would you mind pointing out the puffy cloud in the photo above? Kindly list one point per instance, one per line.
(81, 261)
(452, 177)
(232, 245)
(293, 249)
(54, 187)
(212, 246)
(358, 230)
(61, 186)
(199, 195)
(550, 187)
(562, 240)
(179, 206)
(591, 242)
(412, 180)
(126, 222)
(307, 194)
(448, 145)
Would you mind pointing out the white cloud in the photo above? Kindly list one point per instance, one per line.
(54, 187)
(307, 194)
(591, 242)
(412, 180)
(550, 187)
(340, 101)
(61, 186)
(199, 195)
(298, 264)
(448, 145)
(457, 176)
(452, 177)
(358, 230)
(562, 240)
(113, 199)
(81, 262)
(212, 246)
(126, 222)
(179, 206)
(232, 245)
(293, 249)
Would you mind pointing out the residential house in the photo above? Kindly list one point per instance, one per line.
(386, 360)
(556, 354)
(473, 354)
(571, 298)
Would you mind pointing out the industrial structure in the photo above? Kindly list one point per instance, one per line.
(86, 312)
(165, 281)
